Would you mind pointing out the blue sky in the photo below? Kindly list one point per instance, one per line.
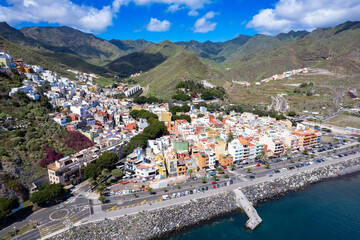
(180, 20)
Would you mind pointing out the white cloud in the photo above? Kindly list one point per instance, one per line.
(174, 8)
(63, 12)
(203, 25)
(156, 25)
(192, 4)
(193, 13)
(304, 14)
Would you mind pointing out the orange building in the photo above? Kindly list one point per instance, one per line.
(226, 160)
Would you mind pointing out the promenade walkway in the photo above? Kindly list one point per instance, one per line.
(101, 215)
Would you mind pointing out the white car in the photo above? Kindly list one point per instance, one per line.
(165, 197)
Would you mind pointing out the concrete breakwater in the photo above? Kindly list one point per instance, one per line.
(160, 222)
(157, 223)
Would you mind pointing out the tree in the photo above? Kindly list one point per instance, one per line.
(232, 167)
(220, 170)
(230, 137)
(48, 192)
(267, 165)
(291, 114)
(92, 171)
(288, 152)
(203, 180)
(8, 204)
(101, 188)
(226, 176)
(117, 173)
(102, 199)
(248, 170)
(263, 156)
(107, 160)
(105, 172)
(189, 173)
(215, 177)
(150, 190)
(306, 152)
(164, 189)
(207, 95)
(178, 186)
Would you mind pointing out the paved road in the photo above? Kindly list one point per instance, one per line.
(76, 207)
(121, 212)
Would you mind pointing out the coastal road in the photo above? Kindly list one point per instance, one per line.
(121, 212)
(75, 208)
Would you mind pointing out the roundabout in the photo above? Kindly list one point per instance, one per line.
(59, 214)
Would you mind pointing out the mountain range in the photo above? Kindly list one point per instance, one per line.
(244, 58)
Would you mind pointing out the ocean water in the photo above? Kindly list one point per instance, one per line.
(327, 210)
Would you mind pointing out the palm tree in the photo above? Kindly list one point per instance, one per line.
(164, 188)
(226, 176)
(288, 152)
(220, 170)
(150, 190)
(190, 173)
(203, 180)
(267, 165)
(263, 156)
(248, 170)
(232, 167)
(215, 177)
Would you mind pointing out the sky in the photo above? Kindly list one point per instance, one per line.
(180, 20)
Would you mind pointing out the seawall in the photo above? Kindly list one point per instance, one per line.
(159, 223)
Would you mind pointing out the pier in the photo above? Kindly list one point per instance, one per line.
(248, 208)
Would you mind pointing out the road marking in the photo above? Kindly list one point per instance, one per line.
(127, 206)
(117, 208)
(133, 205)
(143, 202)
(123, 207)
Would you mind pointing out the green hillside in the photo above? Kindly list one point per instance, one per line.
(89, 47)
(180, 65)
(130, 46)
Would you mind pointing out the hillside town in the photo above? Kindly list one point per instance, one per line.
(209, 140)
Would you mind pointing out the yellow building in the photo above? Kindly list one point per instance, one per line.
(220, 149)
(165, 117)
(160, 165)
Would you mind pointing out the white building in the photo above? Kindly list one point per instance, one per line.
(236, 150)
(145, 171)
(131, 91)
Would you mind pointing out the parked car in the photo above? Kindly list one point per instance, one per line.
(165, 197)
(60, 207)
(174, 195)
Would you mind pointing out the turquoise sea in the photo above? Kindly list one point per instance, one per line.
(327, 210)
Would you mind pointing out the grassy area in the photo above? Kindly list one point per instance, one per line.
(346, 120)
(26, 228)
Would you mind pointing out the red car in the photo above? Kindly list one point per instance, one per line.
(225, 167)
(213, 182)
(258, 165)
(123, 183)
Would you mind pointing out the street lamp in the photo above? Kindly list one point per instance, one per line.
(15, 232)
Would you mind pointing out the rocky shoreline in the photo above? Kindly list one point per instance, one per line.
(270, 189)
(159, 223)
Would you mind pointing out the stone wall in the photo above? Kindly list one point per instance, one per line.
(157, 223)
(273, 188)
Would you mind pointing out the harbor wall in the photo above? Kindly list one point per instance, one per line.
(159, 223)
